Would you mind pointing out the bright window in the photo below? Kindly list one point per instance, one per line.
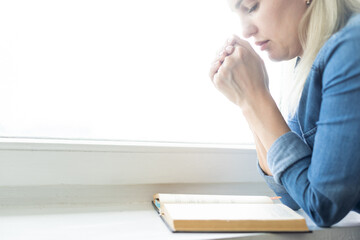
(117, 70)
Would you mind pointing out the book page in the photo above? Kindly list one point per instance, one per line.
(195, 198)
(230, 212)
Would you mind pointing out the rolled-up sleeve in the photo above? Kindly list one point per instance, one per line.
(287, 149)
(279, 190)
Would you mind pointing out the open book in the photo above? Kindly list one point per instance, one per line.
(226, 213)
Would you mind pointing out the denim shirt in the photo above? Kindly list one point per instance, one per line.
(316, 166)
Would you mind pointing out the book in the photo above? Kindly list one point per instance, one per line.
(226, 213)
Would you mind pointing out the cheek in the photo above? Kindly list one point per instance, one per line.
(285, 42)
(269, 24)
(281, 21)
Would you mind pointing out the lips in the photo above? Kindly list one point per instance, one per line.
(262, 44)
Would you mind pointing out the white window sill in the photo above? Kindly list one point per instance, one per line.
(124, 212)
(33, 162)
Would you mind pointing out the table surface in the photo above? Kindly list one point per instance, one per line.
(125, 212)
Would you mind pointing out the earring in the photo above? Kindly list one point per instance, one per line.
(308, 2)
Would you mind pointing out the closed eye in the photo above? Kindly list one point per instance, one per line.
(253, 8)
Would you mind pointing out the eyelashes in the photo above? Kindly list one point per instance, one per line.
(248, 10)
(253, 8)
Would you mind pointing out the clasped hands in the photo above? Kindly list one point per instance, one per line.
(239, 73)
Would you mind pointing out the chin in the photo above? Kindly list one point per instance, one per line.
(276, 57)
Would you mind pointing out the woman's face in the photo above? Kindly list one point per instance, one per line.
(273, 24)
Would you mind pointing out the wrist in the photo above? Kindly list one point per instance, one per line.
(265, 169)
(258, 103)
(265, 118)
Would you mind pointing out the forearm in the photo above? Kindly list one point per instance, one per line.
(265, 172)
(261, 153)
(265, 120)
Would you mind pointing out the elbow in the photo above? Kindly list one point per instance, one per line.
(326, 212)
(323, 222)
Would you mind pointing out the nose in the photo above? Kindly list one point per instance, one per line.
(248, 29)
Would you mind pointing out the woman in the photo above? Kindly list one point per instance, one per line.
(312, 160)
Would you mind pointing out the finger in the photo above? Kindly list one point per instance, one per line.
(218, 61)
(231, 41)
(241, 41)
(222, 56)
(221, 50)
(214, 69)
(226, 50)
(219, 80)
(244, 44)
(238, 55)
(229, 49)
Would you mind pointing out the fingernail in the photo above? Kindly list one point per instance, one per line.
(229, 49)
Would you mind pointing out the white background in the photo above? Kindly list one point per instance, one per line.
(117, 70)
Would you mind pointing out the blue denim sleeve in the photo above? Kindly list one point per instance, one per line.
(279, 190)
(325, 180)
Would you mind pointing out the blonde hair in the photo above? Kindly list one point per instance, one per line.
(322, 19)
